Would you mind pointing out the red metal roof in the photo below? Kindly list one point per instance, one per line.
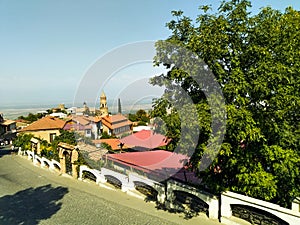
(152, 160)
(146, 139)
(160, 164)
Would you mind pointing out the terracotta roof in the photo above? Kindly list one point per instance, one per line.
(8, 122)
(45, 123)
(115, 121)
(73, 126)
(22, 121)
(77, 127)
(146, 139)
(114, 143)
(81, 120)
(97, 119)
(114, 118)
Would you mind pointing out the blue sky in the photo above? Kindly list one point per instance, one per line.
(48, 46)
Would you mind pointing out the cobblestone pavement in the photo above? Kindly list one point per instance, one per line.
(32, 195)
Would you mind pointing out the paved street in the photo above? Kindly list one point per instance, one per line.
(31, 195)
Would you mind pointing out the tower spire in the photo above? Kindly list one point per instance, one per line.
(119, 106)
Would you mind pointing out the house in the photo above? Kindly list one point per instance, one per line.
(116, 125)
(71, 110)
(79, 124)
(146, 140)
(46, 128)
(21, 123)
(159, 165)
(59, 115)
(86, 126)
(8, 128)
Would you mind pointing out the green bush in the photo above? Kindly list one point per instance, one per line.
(23, 141)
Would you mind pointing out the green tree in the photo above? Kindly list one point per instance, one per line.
(105, 135)
(66, 137)
(140, 114)
(256, 61)
(23, 141)
(32, 117)
(132, 117)
(106, 146)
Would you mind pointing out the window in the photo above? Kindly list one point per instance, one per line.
(52, 137)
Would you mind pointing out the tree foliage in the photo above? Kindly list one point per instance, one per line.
(256, 61)
(65, 136)
(23, 141)
(31, 117)
(139, 116)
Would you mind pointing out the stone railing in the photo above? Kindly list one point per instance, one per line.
(228, 206)
(42, 161)
(255, 210)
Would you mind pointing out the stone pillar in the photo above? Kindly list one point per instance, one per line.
(101, 179)
(74, 158)
(225, 208)
(170, 197)
(74, 171)
(29, 155)
(296, 205)
(213, 210)
(35, 145)
(63, 164)
(38, 148)
(127, 186)
(20, 151)
(161, 194)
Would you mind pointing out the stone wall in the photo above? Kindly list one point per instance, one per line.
(217, 208)
(228, 199)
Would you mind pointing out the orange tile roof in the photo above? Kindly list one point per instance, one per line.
(8, 122)
(81, 120)
(123, 124)
(22, 121)
(114, 118)
(115, 121)
(97, 119)
(45, 123)
(114, 143)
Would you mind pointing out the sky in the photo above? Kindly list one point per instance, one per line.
(47, 47)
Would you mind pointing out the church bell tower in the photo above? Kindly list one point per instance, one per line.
(103, 105)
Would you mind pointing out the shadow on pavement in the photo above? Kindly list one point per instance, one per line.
(32, 205)
(7, 151)
(4, 152)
